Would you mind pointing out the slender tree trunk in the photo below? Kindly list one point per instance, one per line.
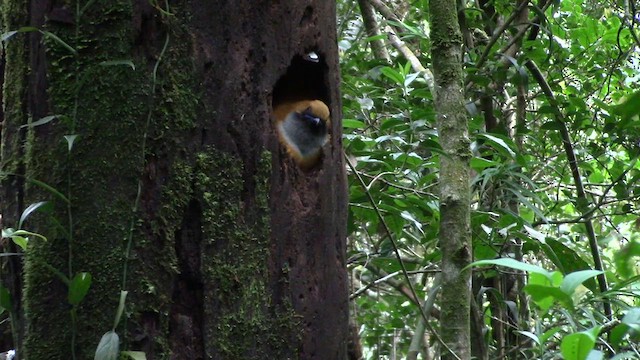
(455, 233)
(167, 179)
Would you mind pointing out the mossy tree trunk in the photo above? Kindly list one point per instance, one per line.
(455, 230)
(165, 178)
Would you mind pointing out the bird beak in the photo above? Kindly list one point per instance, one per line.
(312, 57)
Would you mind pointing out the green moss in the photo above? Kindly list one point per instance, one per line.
(14, 16)
(234, 261)
(107, 106)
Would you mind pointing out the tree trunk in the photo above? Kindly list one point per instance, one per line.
(455, 230)
(231, 251)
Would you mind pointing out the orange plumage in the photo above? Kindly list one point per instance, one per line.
(303, 129)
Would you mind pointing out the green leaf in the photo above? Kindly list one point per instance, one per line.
(567, 260)
(352, 124)
(577, 346)
(617, 335)
(7, 35)
(530, 335)
(514, 264)
(549, 334)
(571, 281)
(544, 296)
(629, 108)
(479, 164)
(392, 74)
(50, 189)
(58, 40)
(128, 63)
(392, 123)
(632, 318)
(5, 298)
(19, 237)
(30, 209)
(109, 347)
(504, 146)
(42, 121)
(135, 355)
(22, 242)
(12, 233)
(79, 287)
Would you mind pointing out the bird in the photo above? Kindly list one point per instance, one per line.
(303, 129)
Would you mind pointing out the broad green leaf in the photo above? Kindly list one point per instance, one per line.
(542, 295)
(617, 335)
(478, 163)
(571, 281)
(567, 260)
(392, 123)
(352, 124)
(392, 74)
(514, 264)
(79, 287)
(632, 318)
(577, 346)
(630, 107)
(21, 241)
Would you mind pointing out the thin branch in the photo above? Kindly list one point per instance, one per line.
(418, 335)
(408, 54)
(399, 45)
(575, 171)
(397, 253)
(498, 33)
(373, 30)
(385, 11)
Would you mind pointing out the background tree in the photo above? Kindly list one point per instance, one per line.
(137, 139)
(548, 91)
(455, 196)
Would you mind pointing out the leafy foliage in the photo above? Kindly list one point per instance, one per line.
(551, 300)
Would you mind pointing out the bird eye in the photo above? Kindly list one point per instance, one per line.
(311, 118)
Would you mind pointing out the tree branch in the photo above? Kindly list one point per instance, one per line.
(575, 171)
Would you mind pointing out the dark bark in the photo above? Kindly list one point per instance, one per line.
(236, 253)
